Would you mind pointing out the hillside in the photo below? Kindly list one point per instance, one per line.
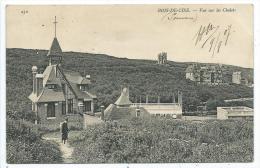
(109, 73)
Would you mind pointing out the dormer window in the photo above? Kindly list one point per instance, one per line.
(51, 86)
(83, 87)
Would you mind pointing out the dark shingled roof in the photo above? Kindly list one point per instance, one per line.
(49, 76)
(55, 48)
(75, 77)
(82, 94)
(49, 95)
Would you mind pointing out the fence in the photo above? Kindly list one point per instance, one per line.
(24, 127)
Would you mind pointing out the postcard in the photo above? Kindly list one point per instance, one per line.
(129, 83)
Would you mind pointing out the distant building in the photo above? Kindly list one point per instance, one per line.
(162, 58)
(242, 112)
(212, 75)
(59, 93)
(236, 77)
(241, 78)
(124, 108)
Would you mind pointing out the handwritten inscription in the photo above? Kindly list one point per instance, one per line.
(171, 16)
(212, 37)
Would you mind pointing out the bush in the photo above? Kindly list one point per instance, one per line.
(25, 146)
(165, 141)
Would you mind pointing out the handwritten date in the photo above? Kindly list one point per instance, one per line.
(212, 37)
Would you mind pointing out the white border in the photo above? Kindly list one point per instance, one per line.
(255, 164)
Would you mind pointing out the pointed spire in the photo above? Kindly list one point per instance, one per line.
(55, 52)
(123, 100)
(55, 49)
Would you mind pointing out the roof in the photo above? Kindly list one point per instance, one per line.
(82, 94)
(48, 95)
(55, 48)
(124, 98)
(75, 77)
(114, 112)
(49, 76)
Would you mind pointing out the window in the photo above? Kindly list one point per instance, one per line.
(138, 112)
(63, 108)
(51, 86)
(70, 106)
(51, 110)
(83, 87)
(87, 106)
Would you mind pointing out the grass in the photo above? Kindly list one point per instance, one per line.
(166, 141)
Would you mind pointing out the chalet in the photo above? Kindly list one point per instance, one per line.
(211, 75)
(59, 93)
(123, 108)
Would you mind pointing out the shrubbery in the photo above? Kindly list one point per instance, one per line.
(25, 146)
(166, 140)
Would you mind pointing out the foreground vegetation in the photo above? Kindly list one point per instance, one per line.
(24, 145)
(166, 141)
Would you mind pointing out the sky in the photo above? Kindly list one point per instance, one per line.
(138, 31)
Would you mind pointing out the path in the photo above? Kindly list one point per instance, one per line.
(65, 149)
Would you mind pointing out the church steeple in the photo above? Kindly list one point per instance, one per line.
(55, 52)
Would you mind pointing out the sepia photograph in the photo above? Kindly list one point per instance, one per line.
(129, 83)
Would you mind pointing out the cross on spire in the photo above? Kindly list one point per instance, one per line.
(55, 24)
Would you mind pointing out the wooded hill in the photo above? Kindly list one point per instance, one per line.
(109, 74)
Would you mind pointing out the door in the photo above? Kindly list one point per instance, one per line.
(87, 106)
(51, 110)
(70, 106)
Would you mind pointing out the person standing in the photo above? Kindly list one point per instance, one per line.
(64, 131)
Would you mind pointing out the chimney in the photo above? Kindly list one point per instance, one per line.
(158, 101)
(34, 72)
(88, 77)
(173, 98)
(137, 112)
(102, 112)
(146, 99)
(180, 97)
(39, 83)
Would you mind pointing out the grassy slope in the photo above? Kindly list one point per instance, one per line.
(109, 73)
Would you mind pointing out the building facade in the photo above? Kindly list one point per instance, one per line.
(236, 77)
(59, 93)
(123, 108)
(241, 78)
(240, 112)
(211, 75)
